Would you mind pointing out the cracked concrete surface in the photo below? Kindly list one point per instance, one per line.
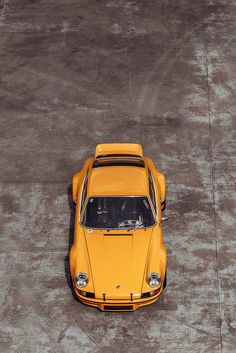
(74, 74)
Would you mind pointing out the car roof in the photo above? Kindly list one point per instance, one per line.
(118, 180)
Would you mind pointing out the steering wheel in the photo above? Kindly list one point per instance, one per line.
(129, 223)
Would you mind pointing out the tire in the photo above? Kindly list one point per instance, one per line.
(165, 281)
(163, 205)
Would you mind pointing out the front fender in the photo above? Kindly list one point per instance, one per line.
(79, 259)
(156, 259)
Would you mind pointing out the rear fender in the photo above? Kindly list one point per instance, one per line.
(159, 179)
(162, 183)
(77, 180)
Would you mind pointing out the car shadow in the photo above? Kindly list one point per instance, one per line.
(70, 241)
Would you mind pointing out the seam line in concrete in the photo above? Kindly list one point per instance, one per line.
(211, 156)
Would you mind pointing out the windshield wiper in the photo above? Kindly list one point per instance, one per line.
(141, 226)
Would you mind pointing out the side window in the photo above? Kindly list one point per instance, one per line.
(84, 192)
(152, 190)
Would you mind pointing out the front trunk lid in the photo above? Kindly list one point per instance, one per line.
(118, 260)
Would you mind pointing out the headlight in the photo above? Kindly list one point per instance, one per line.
(154, 279)
(81, 280)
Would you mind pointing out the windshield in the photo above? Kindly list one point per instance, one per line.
(121, 212)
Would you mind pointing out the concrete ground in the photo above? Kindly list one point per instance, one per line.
(76, 73)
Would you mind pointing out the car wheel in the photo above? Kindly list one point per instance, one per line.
(165, 281)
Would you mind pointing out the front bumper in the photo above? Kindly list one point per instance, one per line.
(118, 305)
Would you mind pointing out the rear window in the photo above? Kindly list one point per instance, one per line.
(109, 162)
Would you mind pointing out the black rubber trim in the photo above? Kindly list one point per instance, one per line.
(88, 294)
(163, 205)
(117, 234)
(165, 281)
(118, 162)
(145, 295)
(118, 308)
(118, 155)
(148, 294)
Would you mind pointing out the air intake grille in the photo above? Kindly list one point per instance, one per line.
(118, 307)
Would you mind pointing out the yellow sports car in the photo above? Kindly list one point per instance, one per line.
(118, 259)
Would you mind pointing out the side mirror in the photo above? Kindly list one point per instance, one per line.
(164, 219)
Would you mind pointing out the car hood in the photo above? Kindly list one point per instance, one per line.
(118, 261)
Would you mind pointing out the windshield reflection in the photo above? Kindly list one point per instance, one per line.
(118, 212)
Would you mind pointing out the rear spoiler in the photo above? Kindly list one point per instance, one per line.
(132, 149)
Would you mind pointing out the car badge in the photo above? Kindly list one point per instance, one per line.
(117, 286)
